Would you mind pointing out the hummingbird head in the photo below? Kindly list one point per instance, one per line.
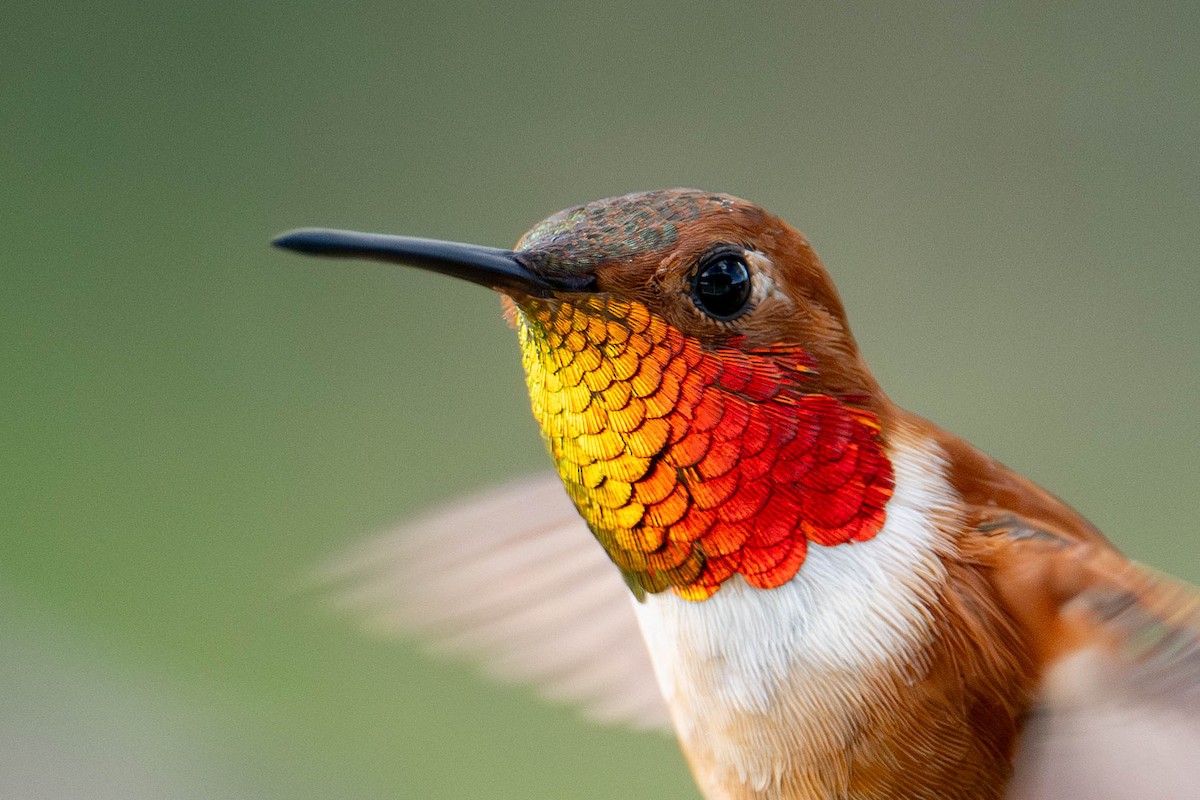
(716, 268)
(689, 363)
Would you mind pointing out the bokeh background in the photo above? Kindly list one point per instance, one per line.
(189, 421)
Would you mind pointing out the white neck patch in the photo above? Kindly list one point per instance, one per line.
(851, 611)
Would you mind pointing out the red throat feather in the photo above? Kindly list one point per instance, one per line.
(690, 463)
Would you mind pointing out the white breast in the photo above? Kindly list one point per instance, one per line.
(794, 654)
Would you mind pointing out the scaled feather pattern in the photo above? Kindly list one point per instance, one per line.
(690, 463)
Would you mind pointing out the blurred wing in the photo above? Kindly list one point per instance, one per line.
(513, 579)
(1119, 711)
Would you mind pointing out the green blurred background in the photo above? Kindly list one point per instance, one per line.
(1007, 197)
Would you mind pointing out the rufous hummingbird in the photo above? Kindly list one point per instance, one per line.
(837, 598)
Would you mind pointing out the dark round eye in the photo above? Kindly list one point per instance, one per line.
(721, 287)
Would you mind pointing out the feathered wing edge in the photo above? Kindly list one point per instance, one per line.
(1118, 709)
(513, 579)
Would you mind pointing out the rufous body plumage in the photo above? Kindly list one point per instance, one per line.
(837, 599)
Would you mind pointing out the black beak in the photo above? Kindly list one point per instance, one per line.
(502, 270)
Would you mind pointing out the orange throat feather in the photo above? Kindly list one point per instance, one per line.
(693, 463)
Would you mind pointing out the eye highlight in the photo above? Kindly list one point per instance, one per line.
(721, 286)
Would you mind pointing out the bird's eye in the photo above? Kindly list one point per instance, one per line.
(721, 286)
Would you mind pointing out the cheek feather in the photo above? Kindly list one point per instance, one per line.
(691, 464)
(765, 288)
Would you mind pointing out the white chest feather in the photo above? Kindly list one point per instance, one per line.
(757, 678)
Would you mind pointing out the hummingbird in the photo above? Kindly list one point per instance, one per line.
(822, 594)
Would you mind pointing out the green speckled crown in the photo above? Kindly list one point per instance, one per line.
(584, 237)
